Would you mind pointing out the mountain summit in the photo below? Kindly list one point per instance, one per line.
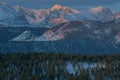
(57, 7)
(99, 9)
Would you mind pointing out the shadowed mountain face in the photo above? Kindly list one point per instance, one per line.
(86, 37)
(77, 30)
(8, 33)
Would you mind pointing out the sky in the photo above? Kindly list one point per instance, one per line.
(114, 5)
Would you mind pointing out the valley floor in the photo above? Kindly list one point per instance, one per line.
(42, 66)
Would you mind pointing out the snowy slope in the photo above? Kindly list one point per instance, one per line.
(34, 17)
(25, 36)
(9, 17)
(117, 16)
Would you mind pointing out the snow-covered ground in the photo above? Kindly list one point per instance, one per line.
(74, 67)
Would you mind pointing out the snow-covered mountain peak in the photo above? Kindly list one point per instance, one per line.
(59, 7)
(99, 9)
(102, 13)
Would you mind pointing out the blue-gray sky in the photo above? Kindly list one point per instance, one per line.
(79, 4)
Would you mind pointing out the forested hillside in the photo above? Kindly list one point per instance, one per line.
(42, 66)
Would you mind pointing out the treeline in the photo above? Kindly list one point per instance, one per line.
(42, 66)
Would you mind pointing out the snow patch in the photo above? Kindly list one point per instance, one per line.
(25, 36)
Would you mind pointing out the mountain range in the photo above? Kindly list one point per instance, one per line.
(59, 29)
(16, 16)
